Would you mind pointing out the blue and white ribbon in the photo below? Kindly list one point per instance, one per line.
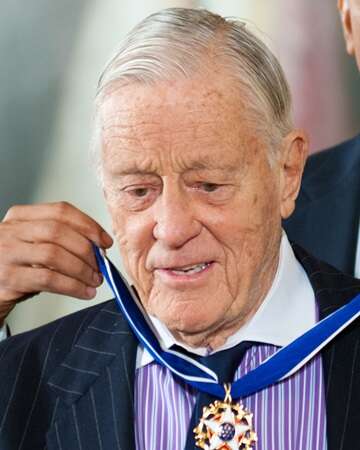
(278, 367)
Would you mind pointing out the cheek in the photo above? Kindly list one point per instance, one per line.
(134, 236)
(253, 223)
(266, 199)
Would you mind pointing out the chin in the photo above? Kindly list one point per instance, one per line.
(187, 321)
(186, 312)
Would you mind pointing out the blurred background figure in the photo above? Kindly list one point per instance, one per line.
(52, 54)
(326, 219)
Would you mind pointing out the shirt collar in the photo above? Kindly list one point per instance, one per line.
(287, 311)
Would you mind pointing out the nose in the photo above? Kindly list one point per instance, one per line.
(175, 221)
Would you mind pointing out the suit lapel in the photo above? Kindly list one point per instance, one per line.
(94, 386)
(341, 358)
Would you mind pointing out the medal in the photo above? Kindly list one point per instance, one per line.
(225, 425)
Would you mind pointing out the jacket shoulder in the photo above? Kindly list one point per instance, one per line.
(34, 355)
(328, 168)
(27, 363)
(325, 220)
(55, 338)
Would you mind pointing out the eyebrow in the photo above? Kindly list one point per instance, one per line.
(201, 164)
(133, 171)
(192, 168)
(132, 168)
(209, 165)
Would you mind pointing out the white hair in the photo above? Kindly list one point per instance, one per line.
(176, 42)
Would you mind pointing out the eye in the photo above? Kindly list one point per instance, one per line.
(139, 192)
(140, 197)
(213, 192)
(209, 187)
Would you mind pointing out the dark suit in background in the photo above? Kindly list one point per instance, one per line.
(326, 219)
(70, 384)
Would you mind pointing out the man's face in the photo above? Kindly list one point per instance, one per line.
(350, 14)
(193, 200)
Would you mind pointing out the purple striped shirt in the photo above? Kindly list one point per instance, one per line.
(289, 415)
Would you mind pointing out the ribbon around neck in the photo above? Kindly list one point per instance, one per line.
(277, 367)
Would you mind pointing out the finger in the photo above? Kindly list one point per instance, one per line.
(56, 259)
(65, 213)
(40, 279)
(49, 231)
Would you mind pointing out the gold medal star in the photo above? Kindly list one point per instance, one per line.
(225, 426)
(226, 431)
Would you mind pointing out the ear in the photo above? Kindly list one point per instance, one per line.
(294, 153)
(345, 15)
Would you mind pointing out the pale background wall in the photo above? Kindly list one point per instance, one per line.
(51, 54)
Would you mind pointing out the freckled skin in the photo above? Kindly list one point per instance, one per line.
(187, 180)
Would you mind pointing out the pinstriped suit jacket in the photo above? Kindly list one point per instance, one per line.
(69, 384)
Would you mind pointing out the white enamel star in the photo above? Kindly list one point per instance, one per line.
(215, 426)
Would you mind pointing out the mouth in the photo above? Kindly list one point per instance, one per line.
(190, 269)
(181, 276)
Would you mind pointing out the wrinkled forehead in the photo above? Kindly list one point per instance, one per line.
(188, 97)
(176, 113)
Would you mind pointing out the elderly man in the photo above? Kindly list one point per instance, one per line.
(199, 163)
(327, 216)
